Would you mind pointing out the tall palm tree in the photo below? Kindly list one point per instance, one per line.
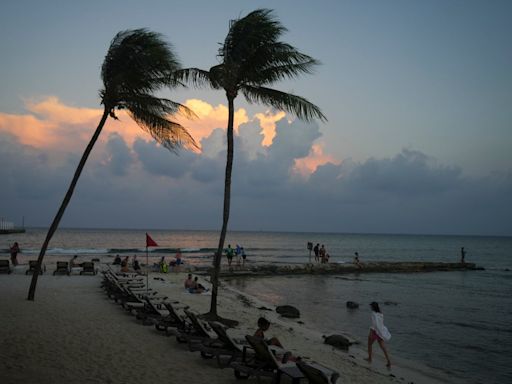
(138, 64)
(252, 58)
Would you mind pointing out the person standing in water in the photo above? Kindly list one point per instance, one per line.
(378, 332)
(462, 255)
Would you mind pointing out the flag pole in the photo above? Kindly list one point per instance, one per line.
(147, 271)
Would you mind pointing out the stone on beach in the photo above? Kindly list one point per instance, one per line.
(288, 311)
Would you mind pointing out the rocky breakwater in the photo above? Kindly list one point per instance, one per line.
(334, 268)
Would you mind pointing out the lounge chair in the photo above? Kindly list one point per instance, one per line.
(224, 347)
(317, 373)
(265, 363)
(5, 266)
(172, 320)
(32, 266)
(62, 267)
(88, 267)
(196, 334)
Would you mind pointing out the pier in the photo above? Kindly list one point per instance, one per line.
(339, 269)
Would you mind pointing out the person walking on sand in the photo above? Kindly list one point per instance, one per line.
(462, 255)
(15, 249)
(378, 332)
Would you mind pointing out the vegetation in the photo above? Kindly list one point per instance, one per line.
(138, 64)
(252, 58)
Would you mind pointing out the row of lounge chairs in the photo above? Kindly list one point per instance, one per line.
(248, 357)
(62, 267)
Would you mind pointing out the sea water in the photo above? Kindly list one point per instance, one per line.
(459, 322)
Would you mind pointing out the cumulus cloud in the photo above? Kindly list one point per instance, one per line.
(286, 183)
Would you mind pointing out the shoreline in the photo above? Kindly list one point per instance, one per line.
(78, 294)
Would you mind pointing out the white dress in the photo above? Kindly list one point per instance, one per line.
(379, 327)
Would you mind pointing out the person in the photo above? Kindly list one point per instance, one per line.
(74, 265)
(238, 253)
(378, 332)
(164, 268)
(199, 288)
(189, 283)
(356, 260)
(322, 253)
(74, 262)
(124, 265)
(316, 250)
(178, 260)
(117, 260)
(229, 254)
(244, 256)
(263, 326)
(135, 264)
(462, 255)
(15, 249)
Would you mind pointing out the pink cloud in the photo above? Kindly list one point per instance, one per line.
(316, 157)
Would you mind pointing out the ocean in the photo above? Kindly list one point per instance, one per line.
(458, 322)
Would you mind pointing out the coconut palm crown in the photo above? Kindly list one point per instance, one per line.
(252, 58)
(138, 64)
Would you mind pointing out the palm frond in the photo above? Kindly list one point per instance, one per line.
(166, 132)
(155, 105)
(195, 76)
(138, 61)
(283, 101)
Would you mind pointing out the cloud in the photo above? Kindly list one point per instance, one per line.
(289, 184)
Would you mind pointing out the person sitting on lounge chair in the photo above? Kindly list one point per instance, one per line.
(74, 265)
(117, 260)
(264, 325)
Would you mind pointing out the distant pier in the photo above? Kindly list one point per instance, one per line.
(339, 269)
(13, 230)
(7, 227)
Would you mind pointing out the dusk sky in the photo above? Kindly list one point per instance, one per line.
(418, 97)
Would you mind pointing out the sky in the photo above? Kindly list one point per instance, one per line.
(417, 95)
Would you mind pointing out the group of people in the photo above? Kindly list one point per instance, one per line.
(193, 285)
(321, 255)
(173, 265)
(238, 252)
(124, 263)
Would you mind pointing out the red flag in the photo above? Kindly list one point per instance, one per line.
(150, 242)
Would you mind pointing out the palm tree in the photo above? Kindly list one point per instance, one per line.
(251, 59)
(138, 63)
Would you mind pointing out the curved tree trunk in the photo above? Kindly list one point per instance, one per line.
(64, 204)
(225, 217)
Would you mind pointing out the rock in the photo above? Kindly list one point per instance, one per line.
(338, 341)
(352, 305)
(288, 311)
(264, 308)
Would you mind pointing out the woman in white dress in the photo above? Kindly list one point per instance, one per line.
(378, 332)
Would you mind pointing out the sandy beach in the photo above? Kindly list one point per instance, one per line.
(72, 333)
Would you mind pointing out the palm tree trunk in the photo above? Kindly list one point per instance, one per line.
(227, 200)
(65, 203)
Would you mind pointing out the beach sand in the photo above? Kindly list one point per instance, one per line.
(72, 333)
